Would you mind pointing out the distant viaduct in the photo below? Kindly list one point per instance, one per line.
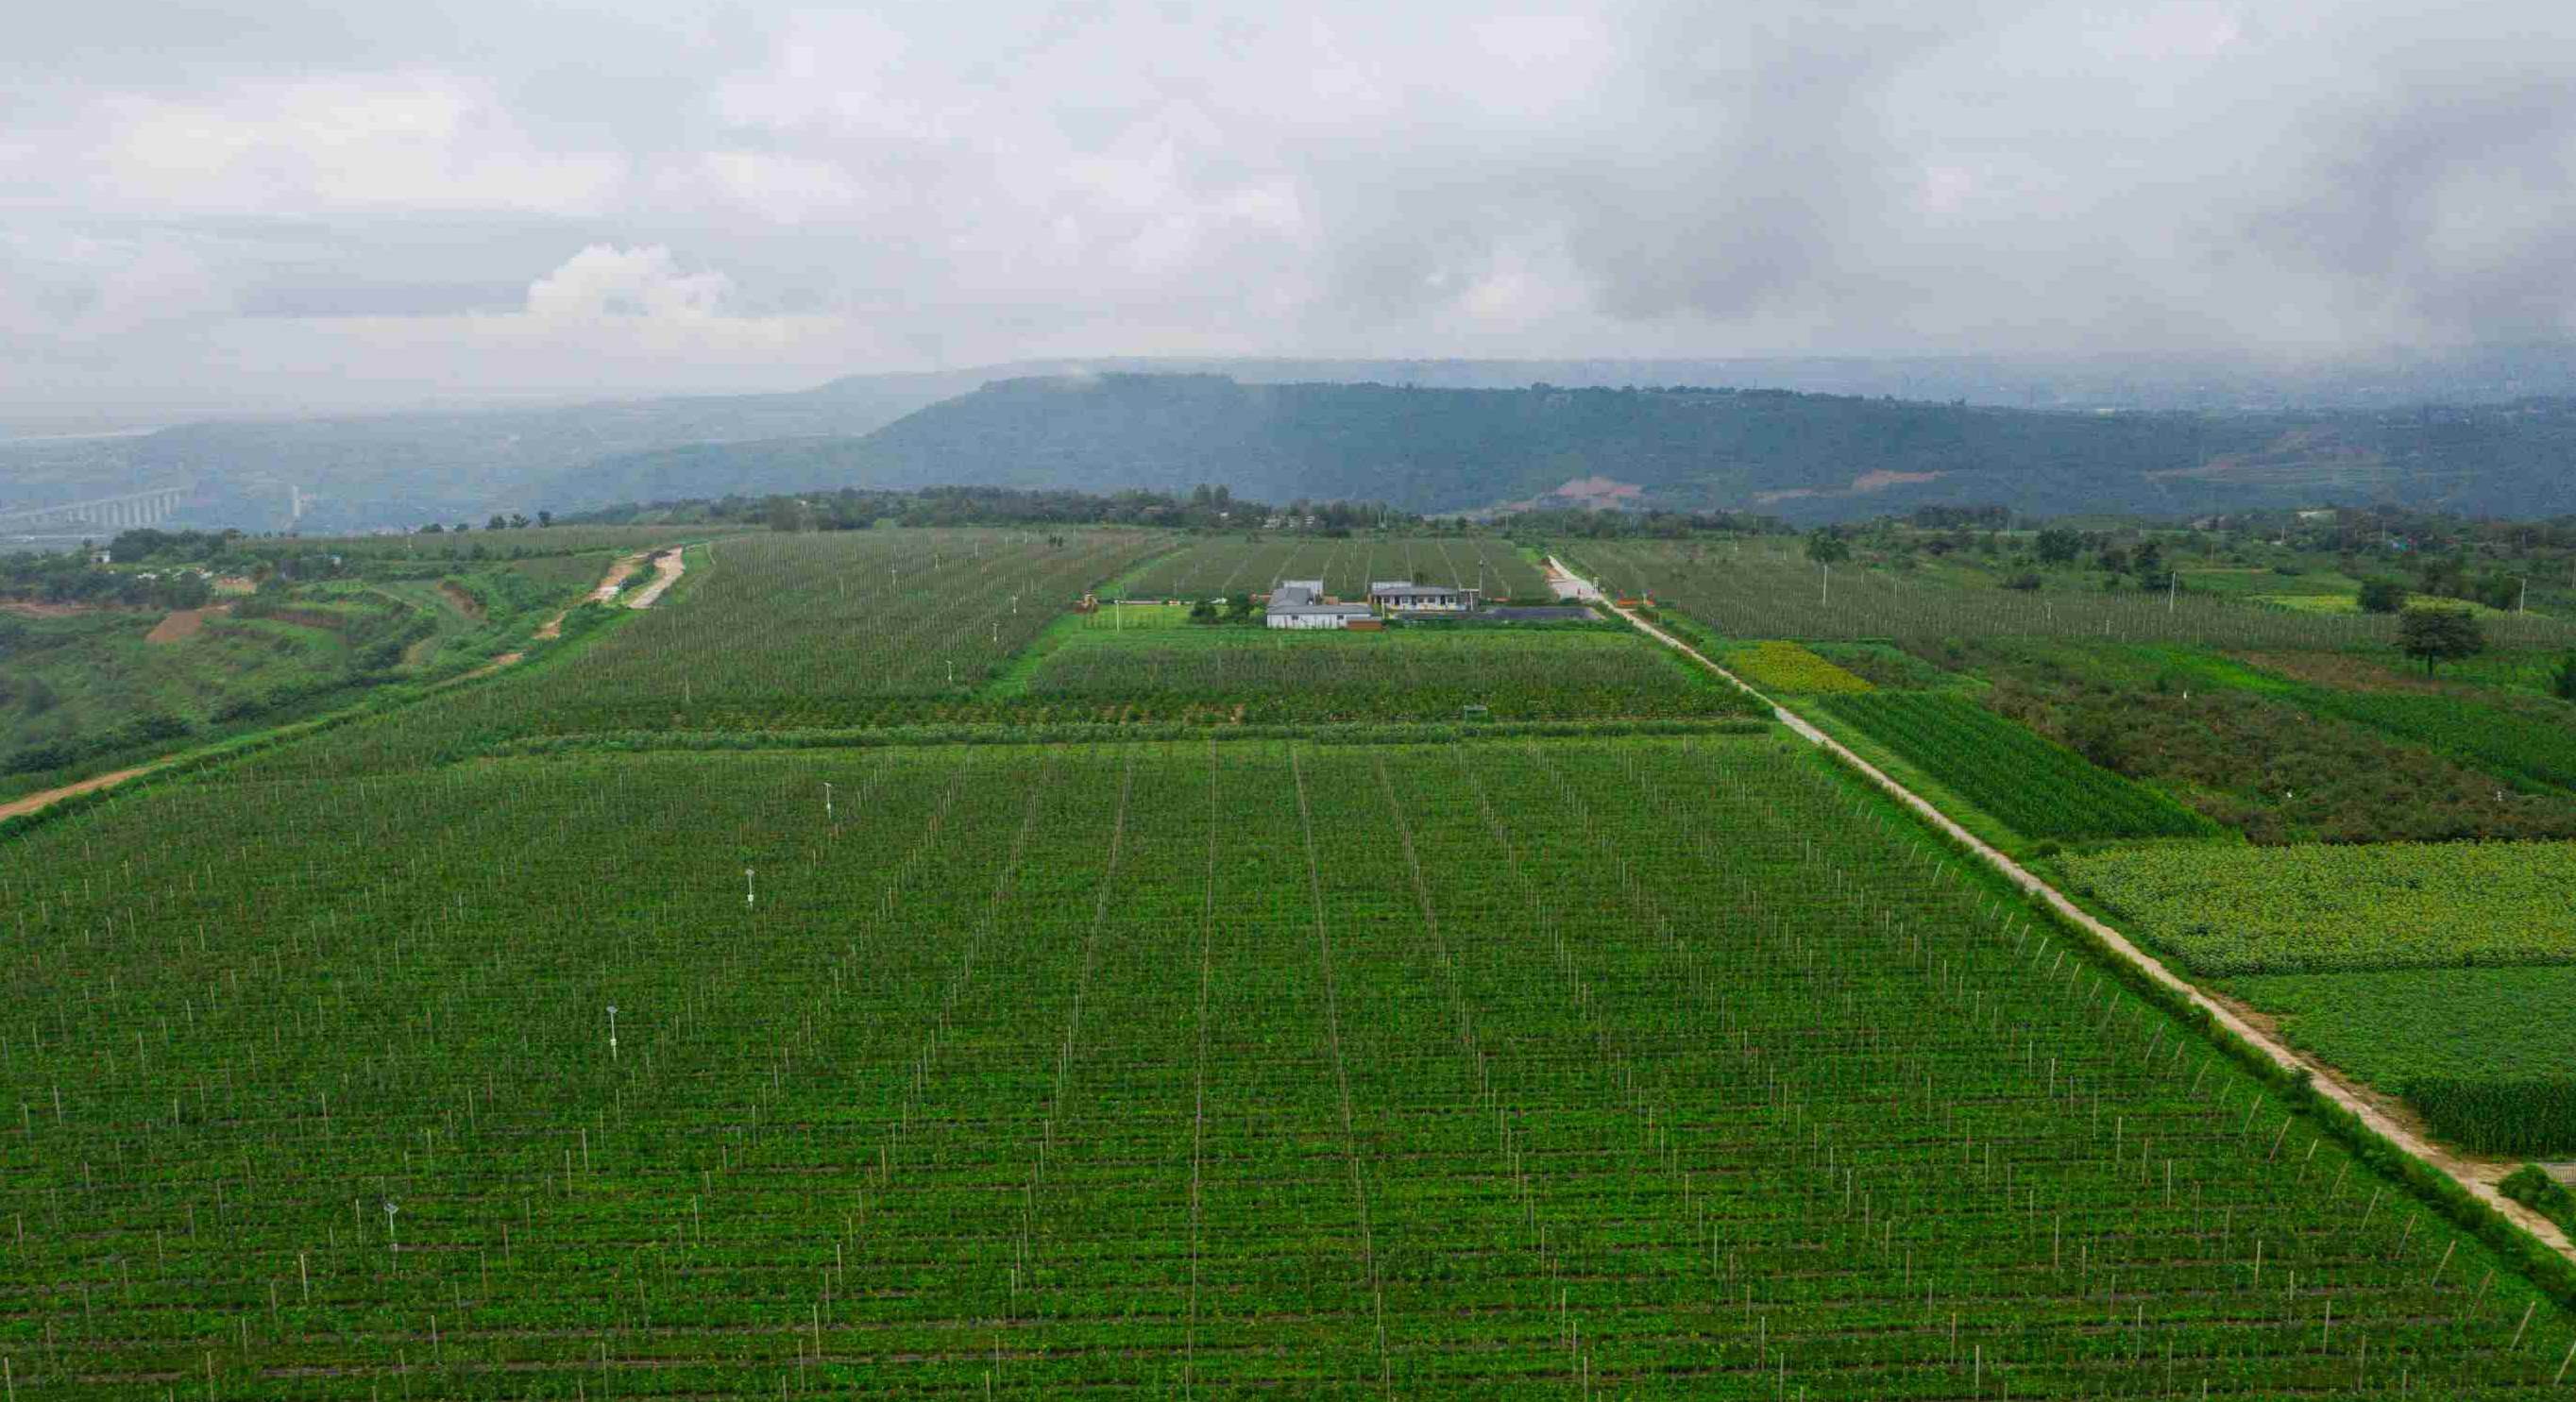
(107, 513)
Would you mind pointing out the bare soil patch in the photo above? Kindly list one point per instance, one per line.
(30, 609)
(184, 624)
(459, 600)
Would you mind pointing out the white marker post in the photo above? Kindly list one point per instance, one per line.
(612, 1031)
(827, 800)
(746, 886)
(391, 1207)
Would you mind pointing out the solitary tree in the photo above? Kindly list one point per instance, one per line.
(2383, 595)
(1825, 545)
(2058, 545)
(2439, 635)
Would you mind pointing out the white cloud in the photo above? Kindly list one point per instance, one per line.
(1016, 177)
(603, 283)
(377, 141)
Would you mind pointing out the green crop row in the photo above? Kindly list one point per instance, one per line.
(2486, 1055)
(2506, 741)
(1276, 677)
(2037, 788)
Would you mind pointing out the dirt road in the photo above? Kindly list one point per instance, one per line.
(2477, 1177)
(616, 580)
(668, 567)
(17, 806)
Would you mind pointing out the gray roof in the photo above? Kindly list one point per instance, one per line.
(1305, 609)
(1401, 589)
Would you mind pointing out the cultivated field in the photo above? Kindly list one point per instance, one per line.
(1639, 1066)
(1766, 589)
(1222, 566)
(2307, 909)
(395, 1060)
(1261, 676)
(2385, 883)
(2488, 1055)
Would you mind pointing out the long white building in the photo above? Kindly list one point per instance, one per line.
(1299, 603)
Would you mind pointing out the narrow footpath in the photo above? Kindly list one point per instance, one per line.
(2477, 1178)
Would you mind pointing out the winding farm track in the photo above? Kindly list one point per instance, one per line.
(2479, 1179)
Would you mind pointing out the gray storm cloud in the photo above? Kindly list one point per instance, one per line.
(281, 203)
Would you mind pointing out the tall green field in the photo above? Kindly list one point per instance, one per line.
(1654, 1068)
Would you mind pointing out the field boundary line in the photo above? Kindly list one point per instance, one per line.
(2321, 1080)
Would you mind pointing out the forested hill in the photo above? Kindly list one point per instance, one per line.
(1802, 456)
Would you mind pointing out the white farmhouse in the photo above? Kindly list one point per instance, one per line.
(1404, 596)
(1299, 603)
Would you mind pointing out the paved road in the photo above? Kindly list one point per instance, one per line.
(1569, 585)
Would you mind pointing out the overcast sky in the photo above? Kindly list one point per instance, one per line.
(275, 204)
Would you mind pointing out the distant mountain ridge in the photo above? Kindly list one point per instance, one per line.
(1805, 457)
(1273, 426)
